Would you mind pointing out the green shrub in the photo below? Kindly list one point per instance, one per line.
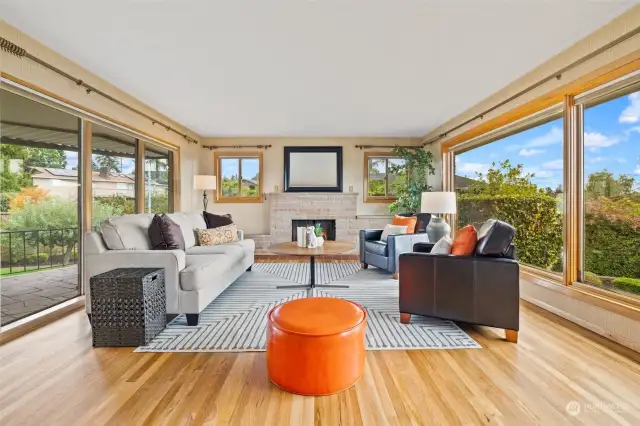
(612, 247)
(593, 279)
(32, 259)
(631, 285)
(534, 215)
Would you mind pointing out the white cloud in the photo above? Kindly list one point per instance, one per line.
(637, 170)
(596, 160)
(544, 174)
(621, 160)
(529, 152)
(594, 141)
(552, 137)
(470, 169)
(553, 165)
(631, 114)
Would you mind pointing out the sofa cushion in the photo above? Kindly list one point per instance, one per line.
(129, 232)
(443, 246)
(165, 234)
(465, 242)
(234, 251)
(187, 230)
(220, 235)
(392, 230)
(377, 247)
(215, 220)
(494, 238)
(409, 222)
(196, 220)
(201, 271)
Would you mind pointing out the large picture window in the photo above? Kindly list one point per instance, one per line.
(518, 178)
(611, 225)
(239, 177)
(384, 174)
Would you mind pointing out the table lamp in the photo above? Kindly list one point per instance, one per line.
(204, 183)
(438, 203)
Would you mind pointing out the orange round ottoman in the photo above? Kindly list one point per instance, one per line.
(315, 346)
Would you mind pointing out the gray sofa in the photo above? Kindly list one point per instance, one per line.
(193, 277)
(385, 255)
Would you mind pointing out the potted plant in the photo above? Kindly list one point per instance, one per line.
(413, 177)
(318, 231)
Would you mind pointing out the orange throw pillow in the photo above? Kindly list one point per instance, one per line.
(409, 222)
(465, 242)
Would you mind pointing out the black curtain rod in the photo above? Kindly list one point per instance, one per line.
(212, 147)
(388, 146)
(16, 50)
(557, 75)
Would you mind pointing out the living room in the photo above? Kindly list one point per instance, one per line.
(319, 212)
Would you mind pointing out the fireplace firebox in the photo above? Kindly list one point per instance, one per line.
(328, 228)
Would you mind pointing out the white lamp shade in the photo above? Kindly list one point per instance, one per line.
(438, 202)
(204, 182)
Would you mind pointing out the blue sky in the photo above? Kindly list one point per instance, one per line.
(612, 142)
(128, 165)
(249, 168)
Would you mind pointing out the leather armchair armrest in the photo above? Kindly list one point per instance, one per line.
(367, 235)
(423, 247)
(403, 243)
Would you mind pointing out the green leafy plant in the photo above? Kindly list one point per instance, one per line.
(318, 230)
(593, 279)
(411, 178)
(631, 285)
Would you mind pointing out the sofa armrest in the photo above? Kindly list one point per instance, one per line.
(478, 290)
(240, 234)
(402, 243)
(172, 261)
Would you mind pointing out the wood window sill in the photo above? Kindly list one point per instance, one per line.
(628, 307)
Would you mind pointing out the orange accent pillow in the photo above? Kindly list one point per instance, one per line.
(409, 222)
(465, 242)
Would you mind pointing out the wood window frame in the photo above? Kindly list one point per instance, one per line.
(218, 157)
(375, 198)
(573, 155)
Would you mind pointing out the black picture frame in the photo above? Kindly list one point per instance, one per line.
(288, 150)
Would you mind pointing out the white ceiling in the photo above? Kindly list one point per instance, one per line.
(310, 68)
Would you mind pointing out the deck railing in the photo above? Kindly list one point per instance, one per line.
(36, 249)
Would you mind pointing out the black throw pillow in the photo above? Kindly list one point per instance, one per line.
(215, 220)
(165, 234)
(494, 238)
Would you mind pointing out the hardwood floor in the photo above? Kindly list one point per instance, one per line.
(53, 376)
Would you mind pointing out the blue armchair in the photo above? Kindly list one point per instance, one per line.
(384, 255)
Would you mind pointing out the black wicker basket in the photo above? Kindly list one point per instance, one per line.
(128, 306)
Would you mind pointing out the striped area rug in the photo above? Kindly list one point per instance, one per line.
(236, 320)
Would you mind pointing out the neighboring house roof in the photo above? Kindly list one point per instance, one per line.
(66, 174)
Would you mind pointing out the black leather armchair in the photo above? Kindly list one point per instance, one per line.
(385, 255)
(474, 289)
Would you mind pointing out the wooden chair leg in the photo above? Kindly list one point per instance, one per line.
(511, 335)
(396, 276)
(405, 318)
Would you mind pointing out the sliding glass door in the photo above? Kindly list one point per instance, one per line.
(39, 204)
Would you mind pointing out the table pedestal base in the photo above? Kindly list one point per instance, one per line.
(312, 279)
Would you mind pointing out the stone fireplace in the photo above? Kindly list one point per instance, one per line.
(339, 208)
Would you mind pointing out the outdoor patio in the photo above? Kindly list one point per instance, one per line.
(23, 295)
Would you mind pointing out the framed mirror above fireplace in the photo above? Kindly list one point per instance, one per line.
(313, 169)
